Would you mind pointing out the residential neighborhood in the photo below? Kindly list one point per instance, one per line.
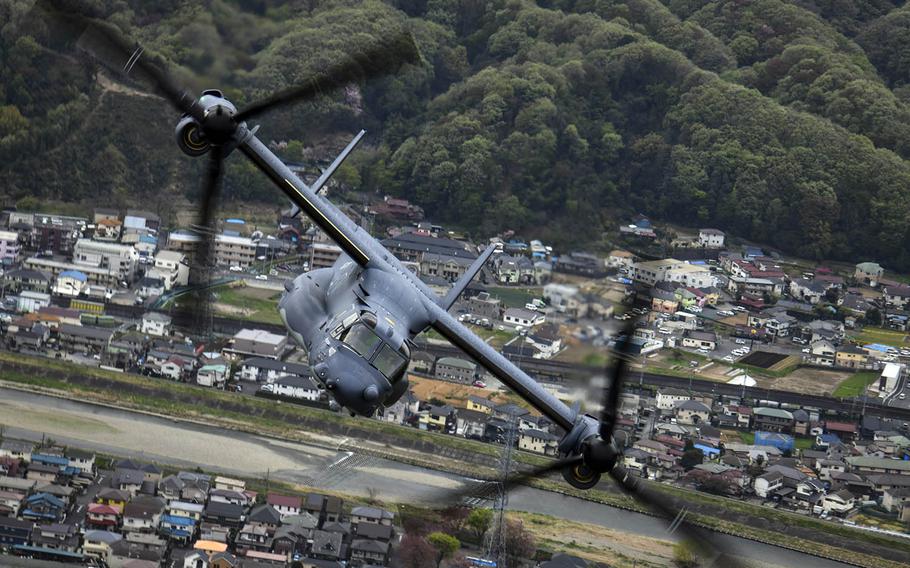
(57, 504)
(714, 310)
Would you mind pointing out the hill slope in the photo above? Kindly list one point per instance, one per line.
(787, 123)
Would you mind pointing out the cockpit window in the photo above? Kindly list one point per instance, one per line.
(361, 339)
(389, 362)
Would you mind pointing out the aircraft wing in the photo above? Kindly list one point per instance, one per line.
(500, 367)
(353, 240)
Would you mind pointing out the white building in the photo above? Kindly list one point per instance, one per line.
(70, 283)
(171, 266)
(154, 323)
(119, 260)
(711, 238)
(234, 251)
(303, 388)
(671, 270)
(558, 295)
(523, 317)
(668, 398)
(213, 375)
(9, 247)
(28, 302)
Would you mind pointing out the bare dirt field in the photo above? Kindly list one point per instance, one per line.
(806, 380)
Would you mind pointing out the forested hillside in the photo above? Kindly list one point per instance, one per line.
(784, 122)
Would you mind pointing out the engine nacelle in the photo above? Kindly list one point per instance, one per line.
(190, 138)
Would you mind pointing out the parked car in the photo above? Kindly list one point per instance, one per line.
(262, 277)
(740, 341)
(235, 269)
(665, 331)
(480, 384)
(729, 358)
(807, 350)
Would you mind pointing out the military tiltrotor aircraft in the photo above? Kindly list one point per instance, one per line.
(357, 319)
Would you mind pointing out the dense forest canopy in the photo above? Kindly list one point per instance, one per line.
(783, 122)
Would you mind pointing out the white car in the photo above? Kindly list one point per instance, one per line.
(738, 309)
(807, 350)
(262, 277)
(695, 310)
(902, 396)
(740, 341)
(724, 313)
(664, 331)
(235, 269)
(745, 349)
(729, 358)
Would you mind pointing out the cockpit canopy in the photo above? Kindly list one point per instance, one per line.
(361, 337)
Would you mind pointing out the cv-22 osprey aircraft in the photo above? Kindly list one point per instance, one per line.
(357, 319)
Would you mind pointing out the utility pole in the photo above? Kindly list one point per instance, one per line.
(496, 546)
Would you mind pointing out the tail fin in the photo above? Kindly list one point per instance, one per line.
(465, 279)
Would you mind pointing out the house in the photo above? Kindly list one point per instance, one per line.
(267, 370)
(370, 552)
(868, 273)
(371, 515)
(285, 506)
(455, 369)
(253, 536)
(103, 516)
(668, 398)
(546, 340)
(480, 404)
(692, 412)
(10, 503)
(177, 527)
(851, 357)
(128, 480)
(43, 507)
(869, 464)
(113, 496)
(772, 419)
(42, 473)
(295, 386)
(99, 544)
(839, 503)
(65, 537)
(155, 323)
(523, 317)
(70, 283)
(822, 352)
(16, 449)
(14, 531)
(213, 375)
(142, 514)
(256, 343)
(326, 545)
(471, 423)
(438, 418)
(224, 514)
(265, 516)
(538, 441)
(711, 238)
(700, 340)
(897, 500)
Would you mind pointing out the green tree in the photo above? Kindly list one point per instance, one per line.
(479, 521)
(446, 545)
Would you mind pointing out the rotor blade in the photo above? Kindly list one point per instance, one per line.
(616, 371)
(108, 45)
(636, 488)
(380, 59)
(485, 489)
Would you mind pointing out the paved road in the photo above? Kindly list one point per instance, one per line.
(102, 429)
